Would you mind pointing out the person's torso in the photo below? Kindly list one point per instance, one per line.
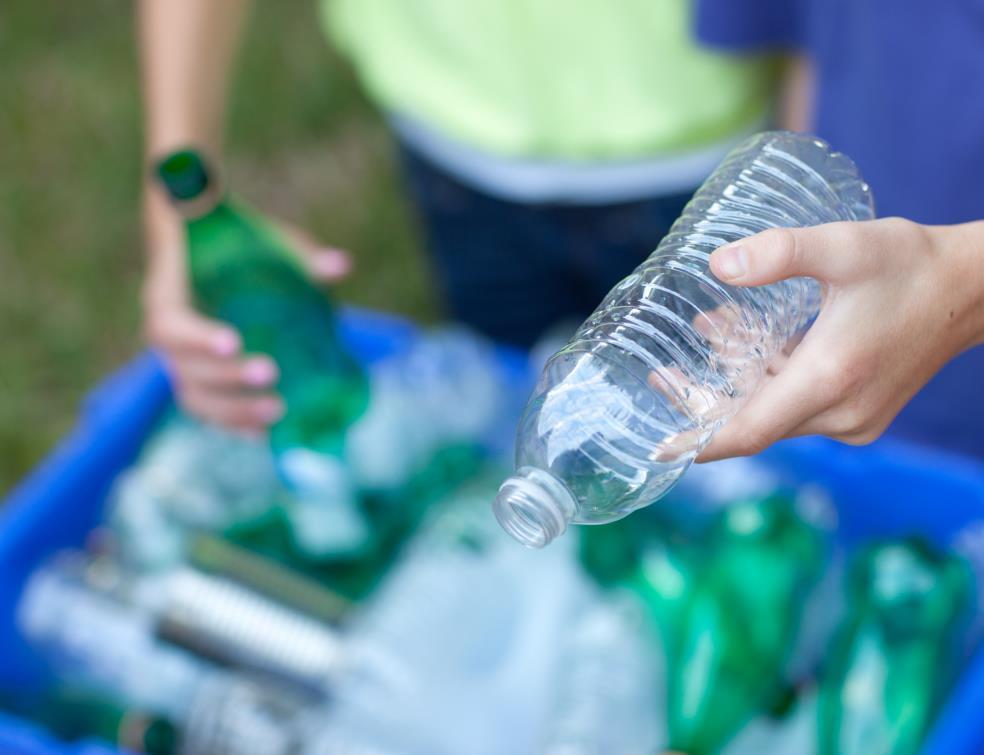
(901, 90)
(592, 80)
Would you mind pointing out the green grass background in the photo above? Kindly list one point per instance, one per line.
(303, 144)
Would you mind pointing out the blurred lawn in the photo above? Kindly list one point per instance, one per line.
(303, 144)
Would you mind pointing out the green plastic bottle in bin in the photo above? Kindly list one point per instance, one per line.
(75, 714)
(895, 655)
(739, 622)
(245, 273)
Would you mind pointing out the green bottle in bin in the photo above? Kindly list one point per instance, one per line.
(738, 622)
(895, 654)
(73, 714)
(612, 554)
(664, 580)
(244, 272)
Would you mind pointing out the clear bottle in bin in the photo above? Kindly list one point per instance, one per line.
(95, 640)
(441, 392)
(672, 352)
(190, 476)
(609, 686)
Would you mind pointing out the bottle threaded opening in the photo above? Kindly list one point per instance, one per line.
(534, 507)
(184, 175)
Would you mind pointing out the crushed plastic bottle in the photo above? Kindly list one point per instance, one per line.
(111, 647)
(459, 628)
(232, 625)
(620, 412)
(239, 716)
(191, 476)
(608, 693)
(443, 391)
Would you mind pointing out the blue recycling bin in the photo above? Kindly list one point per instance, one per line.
(887, 489)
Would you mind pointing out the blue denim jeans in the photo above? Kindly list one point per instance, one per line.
(511, 270)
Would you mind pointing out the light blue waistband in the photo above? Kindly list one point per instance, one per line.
(532, 180)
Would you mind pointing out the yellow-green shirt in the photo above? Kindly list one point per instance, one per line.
(553, 79)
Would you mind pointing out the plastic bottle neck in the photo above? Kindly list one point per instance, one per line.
(534, 507)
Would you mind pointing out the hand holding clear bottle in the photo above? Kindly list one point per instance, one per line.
(672, 352)
(899, 301)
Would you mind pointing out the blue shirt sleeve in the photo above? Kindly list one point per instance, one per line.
(750, 25)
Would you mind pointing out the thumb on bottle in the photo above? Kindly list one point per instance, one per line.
(775, 255)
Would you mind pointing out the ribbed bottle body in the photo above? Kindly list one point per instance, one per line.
(672, 352)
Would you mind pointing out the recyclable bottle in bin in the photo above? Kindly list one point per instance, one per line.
(77, 714)
(608, 686)
(738, 625)
(244, 272)
(896, 653)
(664, 579)
(671, 353)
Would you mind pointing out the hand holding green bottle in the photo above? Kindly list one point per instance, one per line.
(216, 377)
(245, 272)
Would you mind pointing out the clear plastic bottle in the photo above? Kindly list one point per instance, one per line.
(234, 626)
(608, 692)
(444, 390)
(671, 353)
(190, 477)
(94, 640)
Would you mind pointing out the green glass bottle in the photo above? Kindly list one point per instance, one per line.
(612, 553)
(738, 622)
(609, 554)
(245, 273)
(895, 654)
(664, 579)
(76, 714)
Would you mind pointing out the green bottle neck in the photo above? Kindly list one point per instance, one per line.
(199, 207)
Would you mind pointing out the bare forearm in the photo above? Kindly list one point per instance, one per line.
(187, 48)
(796, 94)
(961, 248)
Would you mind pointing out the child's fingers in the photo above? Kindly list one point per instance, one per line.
(241, 412)
(324, 263)
(327, 264)
(232, 374)
(781, 253)
(186, 331)
(778, 410)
